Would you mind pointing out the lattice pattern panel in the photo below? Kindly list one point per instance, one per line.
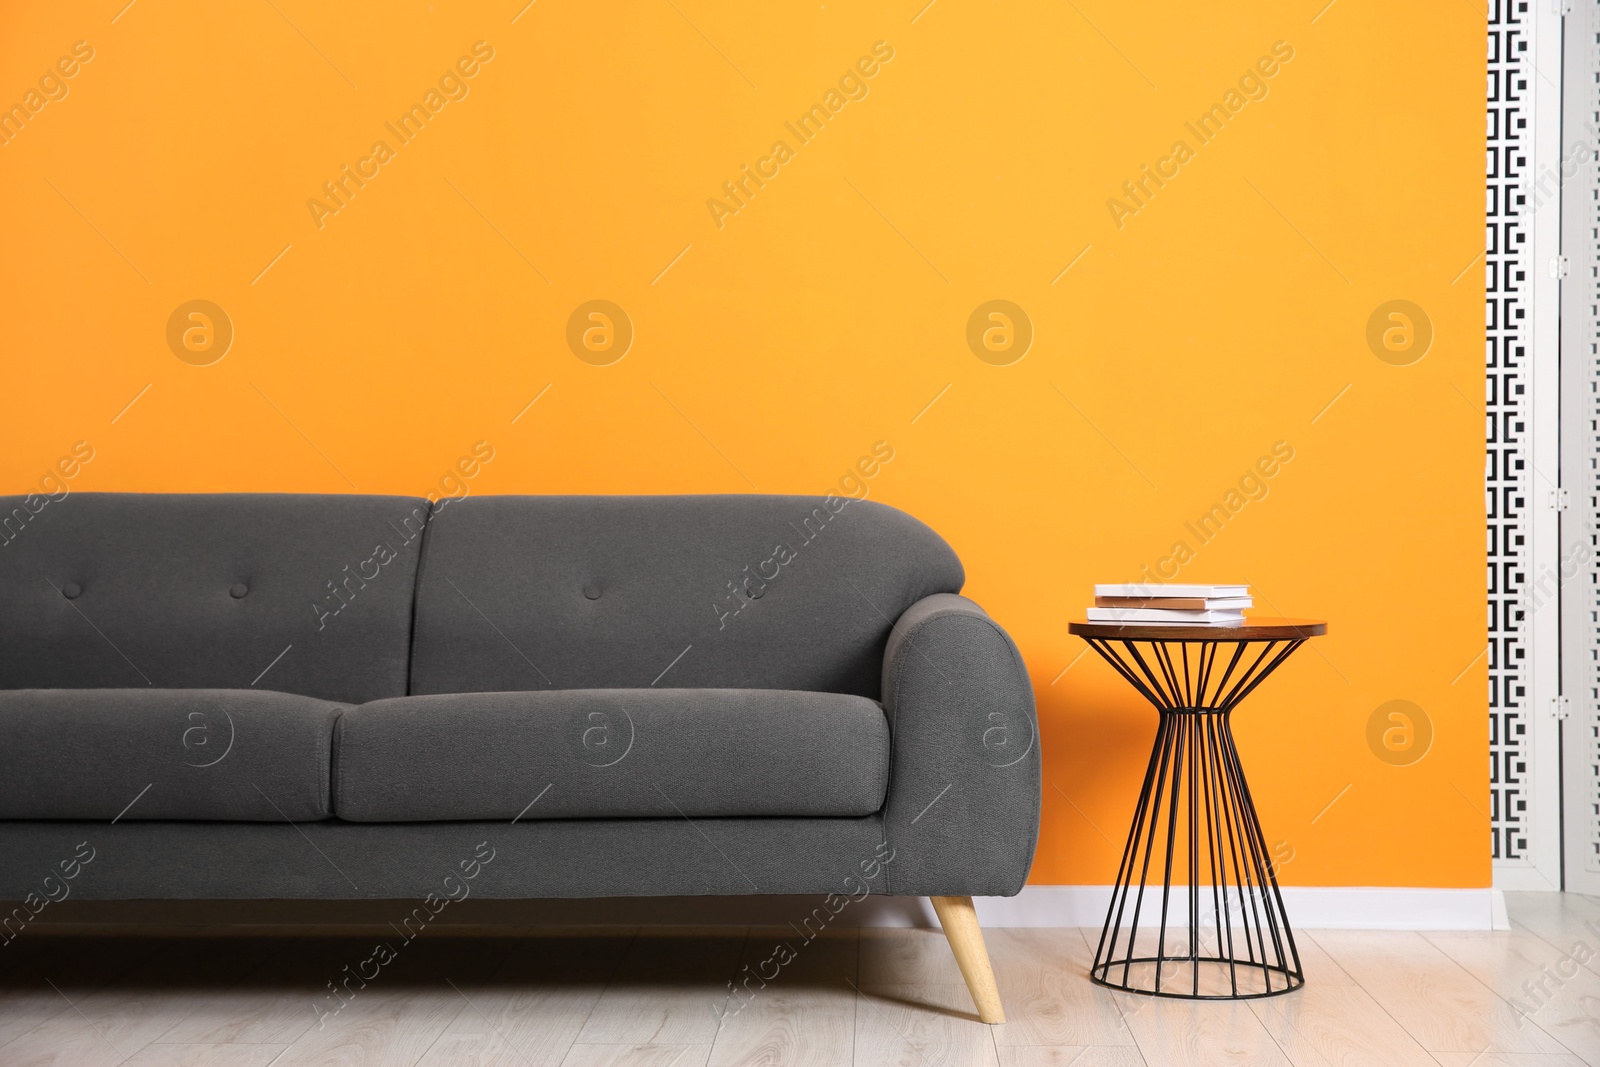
(1507, 470)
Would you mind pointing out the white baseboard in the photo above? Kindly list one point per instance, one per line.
(1309, 907)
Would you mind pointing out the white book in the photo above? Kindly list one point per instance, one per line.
(1184, 603)
(1141, 589)
(1197, 618)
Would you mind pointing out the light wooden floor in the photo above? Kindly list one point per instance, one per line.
(653, 997)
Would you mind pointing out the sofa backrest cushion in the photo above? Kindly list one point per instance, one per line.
(738, 592)
(296, 593)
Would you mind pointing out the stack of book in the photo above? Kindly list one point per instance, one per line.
(1186, 605)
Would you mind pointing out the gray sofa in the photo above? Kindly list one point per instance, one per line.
(298, 696)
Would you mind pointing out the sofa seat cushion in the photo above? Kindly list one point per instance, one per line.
(196, 754)
(601, 753)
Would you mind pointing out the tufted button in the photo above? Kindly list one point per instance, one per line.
(72, 590)
(591, 590)
(239, 590)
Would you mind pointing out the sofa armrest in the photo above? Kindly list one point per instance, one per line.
(962, 812)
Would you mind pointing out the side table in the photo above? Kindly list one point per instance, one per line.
(1223, 933)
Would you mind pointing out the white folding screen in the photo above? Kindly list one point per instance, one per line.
(1523, 320)
(1577, 569)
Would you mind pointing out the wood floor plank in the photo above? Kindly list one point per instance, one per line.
(801, 1008)
(1176, 1033)
(635, 1056)
(46, 983)
(123, 1015)
(272, 1003)
(1562, 919)
(827, 957)
(1319, 967)
(1505, 1059)
(921, 1026)
(205, 1055)
(1340, 1025)
(1070, 1056)
(1546, 986)
(1442, 1006)
(532, 1009)
(1047, 996)
(258, 1012)
(906, 957)
(23, 1009)
(670, 989)
(592, 999)
(62, 1042)
(793, 1026)
(398, 1015)
(377, 1030)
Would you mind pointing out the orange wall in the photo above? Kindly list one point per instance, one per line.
(824, 315)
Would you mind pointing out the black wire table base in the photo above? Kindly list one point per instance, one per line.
(1218, 930)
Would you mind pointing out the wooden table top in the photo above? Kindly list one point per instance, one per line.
(1253, 629)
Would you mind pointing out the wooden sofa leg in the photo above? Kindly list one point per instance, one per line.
(960, 924)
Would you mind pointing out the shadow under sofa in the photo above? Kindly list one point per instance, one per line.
(264, 696)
